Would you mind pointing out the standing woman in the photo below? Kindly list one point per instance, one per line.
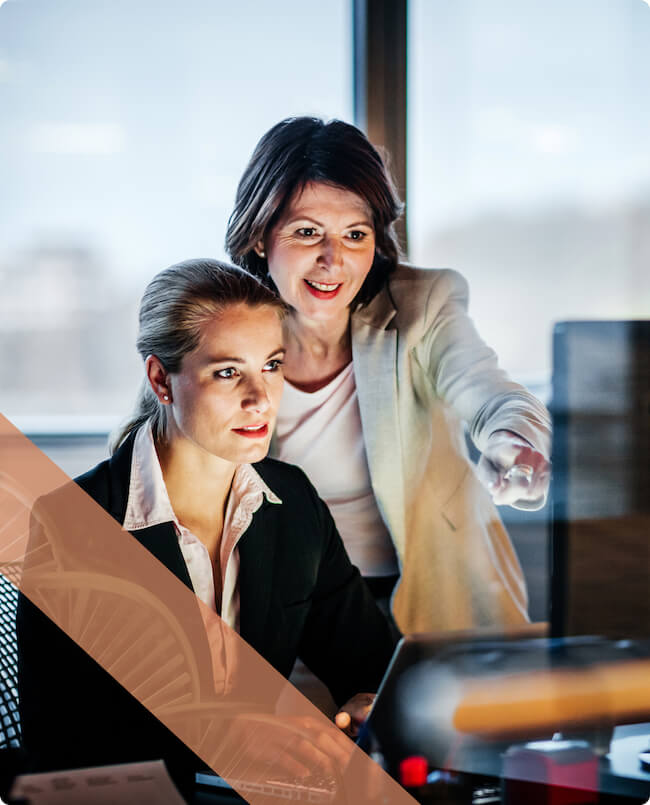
(384, 367)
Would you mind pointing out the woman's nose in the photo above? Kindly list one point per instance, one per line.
(331, 252)
(256, 398)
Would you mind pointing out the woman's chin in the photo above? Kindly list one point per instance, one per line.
(323, 310)
(253, 453)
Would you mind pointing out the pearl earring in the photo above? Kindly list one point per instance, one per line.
(262, 253)
(165, 397)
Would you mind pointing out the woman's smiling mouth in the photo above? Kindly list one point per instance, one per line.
(323, 290)
(253, 431)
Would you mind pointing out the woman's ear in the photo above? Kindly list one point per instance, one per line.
(158, 379)
(260, 250)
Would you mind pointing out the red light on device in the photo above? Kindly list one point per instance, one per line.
(413, 771)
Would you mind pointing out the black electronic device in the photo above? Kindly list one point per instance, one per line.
(463, 702)
(600, 541)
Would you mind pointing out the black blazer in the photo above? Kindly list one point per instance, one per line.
(300, 597)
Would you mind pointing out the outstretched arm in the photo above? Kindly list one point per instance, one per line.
(508, 424)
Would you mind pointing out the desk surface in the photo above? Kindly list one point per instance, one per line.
(620, 771)
(621, 774)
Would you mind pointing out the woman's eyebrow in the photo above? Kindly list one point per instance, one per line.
(222, 359)
(232, 359)
(296, 218)
(300, 217)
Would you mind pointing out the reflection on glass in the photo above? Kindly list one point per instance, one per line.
(124, 129)
(528, 159)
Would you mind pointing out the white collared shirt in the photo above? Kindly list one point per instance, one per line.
(148, 505)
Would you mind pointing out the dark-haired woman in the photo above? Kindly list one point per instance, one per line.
(383, 367)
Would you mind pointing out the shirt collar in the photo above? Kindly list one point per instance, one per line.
(148, 502)
(246, 475)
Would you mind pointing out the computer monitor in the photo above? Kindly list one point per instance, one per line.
(600, 535)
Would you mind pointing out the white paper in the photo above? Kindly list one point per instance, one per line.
(126, 784)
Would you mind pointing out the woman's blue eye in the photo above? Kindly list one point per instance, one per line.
(274, 365)
(226, 374)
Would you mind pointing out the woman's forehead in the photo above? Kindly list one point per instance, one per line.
(314, 196)
(242, 327)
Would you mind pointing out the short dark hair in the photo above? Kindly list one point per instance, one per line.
(300, 150)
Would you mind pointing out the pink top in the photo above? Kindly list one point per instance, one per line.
(321, 432)
(148, 505)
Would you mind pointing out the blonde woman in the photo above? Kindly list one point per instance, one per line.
(189, 479)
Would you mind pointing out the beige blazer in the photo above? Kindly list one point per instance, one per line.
(421, 371)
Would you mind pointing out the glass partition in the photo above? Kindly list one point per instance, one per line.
(529, 168)
(124, 129)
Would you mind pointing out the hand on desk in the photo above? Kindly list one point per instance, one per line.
(349, 720)
(514, 472)
(292, 748)
(353, 713)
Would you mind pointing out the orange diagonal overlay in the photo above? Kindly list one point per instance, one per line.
(150, 632)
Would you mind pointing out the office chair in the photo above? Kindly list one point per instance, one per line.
(11, 754)
(9, 719)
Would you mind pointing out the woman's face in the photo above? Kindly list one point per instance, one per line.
(225, 398)
(320, 251)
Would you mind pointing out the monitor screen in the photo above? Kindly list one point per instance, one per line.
(600, 536)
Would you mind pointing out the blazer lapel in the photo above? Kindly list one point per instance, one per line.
(256, 576)
(375, 356)
(162, 542)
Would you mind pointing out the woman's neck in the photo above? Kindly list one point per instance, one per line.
(198, 485)
(316, 351)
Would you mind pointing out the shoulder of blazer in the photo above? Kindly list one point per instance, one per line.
(413, 297)
(108, 482)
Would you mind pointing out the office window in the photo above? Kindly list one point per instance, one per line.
(124, 129)
(529, 168)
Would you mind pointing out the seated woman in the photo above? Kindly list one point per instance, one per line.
(190, 481)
